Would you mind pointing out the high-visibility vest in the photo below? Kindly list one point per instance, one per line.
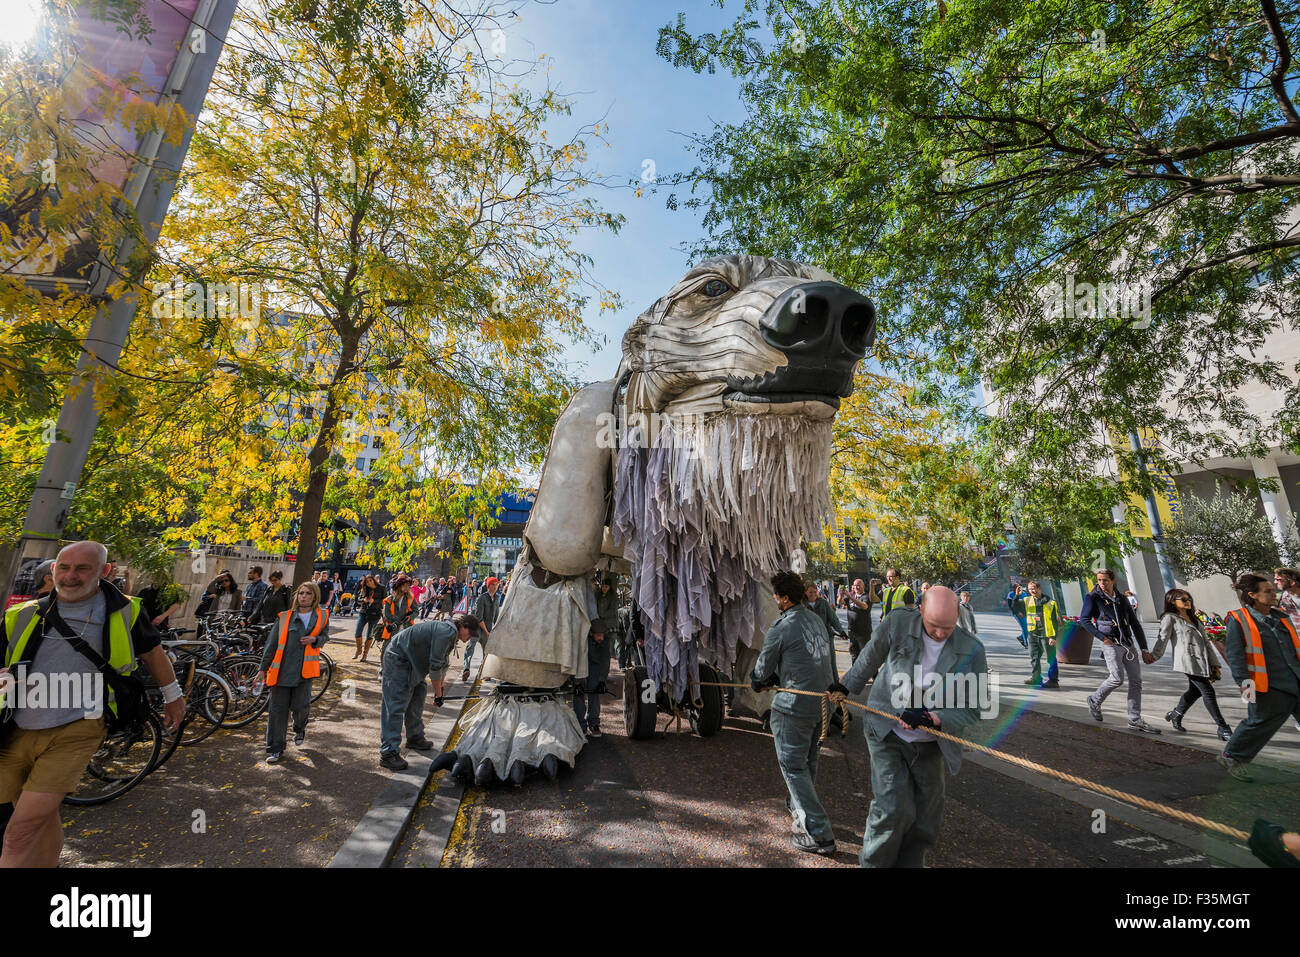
(896, 593)
(20, 625)
(310, 653)
(1255, 645)
(390, 608)
(1049, 615)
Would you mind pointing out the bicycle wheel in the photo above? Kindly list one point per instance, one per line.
(249, 698)
(171, 740)
(122, 761)
(185, 668)
(326, 675)
(207, 703)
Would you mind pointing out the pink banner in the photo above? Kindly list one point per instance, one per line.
(115, 70)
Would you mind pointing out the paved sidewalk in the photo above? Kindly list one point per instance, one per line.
(218, 804)
(1161, 689)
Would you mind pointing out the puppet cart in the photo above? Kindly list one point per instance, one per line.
(703, 705)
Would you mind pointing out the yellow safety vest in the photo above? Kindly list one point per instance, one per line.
(896, 593)
(1049, 614)
(20, 625)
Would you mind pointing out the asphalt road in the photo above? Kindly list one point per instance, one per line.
(680, 800)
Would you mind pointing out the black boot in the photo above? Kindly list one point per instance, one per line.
(1175, 718)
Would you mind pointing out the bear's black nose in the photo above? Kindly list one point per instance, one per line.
(820, 322)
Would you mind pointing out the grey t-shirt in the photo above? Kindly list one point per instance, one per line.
(73, 688)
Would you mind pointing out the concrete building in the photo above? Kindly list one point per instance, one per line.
(499, 549)
(1140, 571)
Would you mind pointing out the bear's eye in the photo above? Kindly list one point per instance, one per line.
(716, 287)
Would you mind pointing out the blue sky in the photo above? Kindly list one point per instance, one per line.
(601, 54)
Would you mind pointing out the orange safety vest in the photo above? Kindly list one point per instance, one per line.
(390, 605)
(1255, 646)
(310, 653)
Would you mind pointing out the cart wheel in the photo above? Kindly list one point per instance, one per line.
(707, 720)
(639, 716)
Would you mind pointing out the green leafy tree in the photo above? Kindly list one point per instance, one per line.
(940, 556)
(373, 248)
(824, 562)
(1222, 535)
(972, 165)
(1050, 553)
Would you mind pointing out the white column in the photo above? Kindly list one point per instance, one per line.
(1135, 570)
(1276, 506)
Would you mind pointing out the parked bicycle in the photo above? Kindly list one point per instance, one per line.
(219, 675)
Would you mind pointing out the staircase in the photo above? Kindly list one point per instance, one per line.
(989, 587)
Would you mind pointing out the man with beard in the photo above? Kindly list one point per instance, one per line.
(254, 591)
(46, 754)
(898, 594)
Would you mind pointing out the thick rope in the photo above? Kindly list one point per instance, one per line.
(1077, 781)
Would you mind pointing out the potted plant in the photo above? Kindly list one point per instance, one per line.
(1074, 647)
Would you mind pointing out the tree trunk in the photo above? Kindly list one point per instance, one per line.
(317, 477)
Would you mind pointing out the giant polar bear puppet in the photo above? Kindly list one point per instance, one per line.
(703, 465)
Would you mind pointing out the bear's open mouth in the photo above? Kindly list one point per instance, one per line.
(795, 382)
(778, 398)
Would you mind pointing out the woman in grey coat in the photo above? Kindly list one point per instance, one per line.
(1180, 627)
(290, 660)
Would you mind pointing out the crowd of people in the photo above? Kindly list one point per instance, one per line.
(1260, 646)
(386, 608)
(44, 751)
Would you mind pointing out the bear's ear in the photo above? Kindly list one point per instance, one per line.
(634, 344)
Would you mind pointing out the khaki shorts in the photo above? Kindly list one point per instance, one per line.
(50, 760)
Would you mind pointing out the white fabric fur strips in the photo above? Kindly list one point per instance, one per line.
(706, 515)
